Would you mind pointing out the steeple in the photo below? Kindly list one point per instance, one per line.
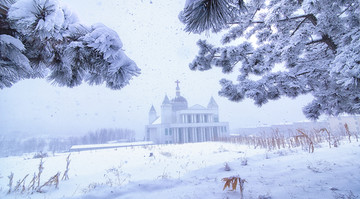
(152, 114)
(212, 104)
(152, 109)
(166, 111)
(166, 100)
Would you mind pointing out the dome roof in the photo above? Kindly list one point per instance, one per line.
(179, 103)
(179, 99)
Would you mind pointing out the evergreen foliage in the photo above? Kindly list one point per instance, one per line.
(42, 39)
(316, 43)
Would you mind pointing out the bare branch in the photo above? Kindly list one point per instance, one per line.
(298, 26)
(346, 9)
(310, 17)
(326, 39)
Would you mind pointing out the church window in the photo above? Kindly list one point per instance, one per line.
(198, 134)
(197, 118)
(181, 135)
(215, 131)
(189, 118)
(166, 131)
(216, 118)
(207, 134)
(190, 137)
(206, 118)
(148, 134)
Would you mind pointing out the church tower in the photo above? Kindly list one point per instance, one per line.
(166, 111)
(152, 115)
(215, 109)
(179, 102)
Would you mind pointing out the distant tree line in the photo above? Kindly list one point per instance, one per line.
(18, 146)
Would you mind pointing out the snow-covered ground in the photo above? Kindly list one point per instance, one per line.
(193, 171)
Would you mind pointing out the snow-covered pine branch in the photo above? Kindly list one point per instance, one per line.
(214, 15)
(316, 42)
(42, 38)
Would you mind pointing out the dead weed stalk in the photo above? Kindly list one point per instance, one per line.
(231, 183)
(347, 131)
(35, 183)
(65, 176)
(310, 142)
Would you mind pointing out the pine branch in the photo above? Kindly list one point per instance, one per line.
(325, 39)
(310, 17)
(346, 9)
(206, 15)
(234, 23)
(5, 5)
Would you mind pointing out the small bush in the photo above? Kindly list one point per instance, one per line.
(233, 181)
(349, 195)
(244, 161)
(264, 197)
(116, 176)
(227, 167)
(40, 155)
(91, 187)
(166, 154)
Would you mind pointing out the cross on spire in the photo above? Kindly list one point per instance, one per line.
(177, 88)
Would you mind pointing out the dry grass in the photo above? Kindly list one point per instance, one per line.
(65, 176)
(21, 183)
(347, 131)
(32, 183)
(11, 177)
(301, 138)
(35, 183)
(328, 135)
(232, 182)
(309, 140)
(53, 180)
(115, 176)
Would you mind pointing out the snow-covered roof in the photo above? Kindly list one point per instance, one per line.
(157, 121)
(105, 146)
(197, 107)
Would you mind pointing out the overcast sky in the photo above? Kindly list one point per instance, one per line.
(154, 38)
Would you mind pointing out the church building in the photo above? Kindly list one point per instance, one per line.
(178, 123)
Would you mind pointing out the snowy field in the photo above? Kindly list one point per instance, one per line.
(192, 171)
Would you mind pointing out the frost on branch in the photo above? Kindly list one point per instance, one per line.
(118, 68)
(214, 15)
(43, 18)
(13, 63)
(56, 46)
(315, 43)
